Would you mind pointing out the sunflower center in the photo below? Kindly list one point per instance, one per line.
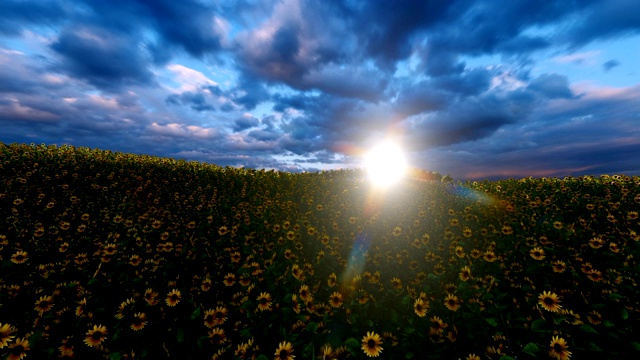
(96, 335)
(557, 348)
(549, 301)
(371, 343)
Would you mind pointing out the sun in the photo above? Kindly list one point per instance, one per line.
(385, 163)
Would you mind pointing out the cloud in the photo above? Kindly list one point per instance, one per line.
(551, 86)
(245, 122)
(106, 60)
(16, 15)
(610, 64)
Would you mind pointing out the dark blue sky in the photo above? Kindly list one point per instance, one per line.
(473, 88)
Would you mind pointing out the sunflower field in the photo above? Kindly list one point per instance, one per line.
(120, 256)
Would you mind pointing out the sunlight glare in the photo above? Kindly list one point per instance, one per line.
(385, 163)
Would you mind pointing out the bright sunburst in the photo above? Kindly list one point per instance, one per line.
(386, 163)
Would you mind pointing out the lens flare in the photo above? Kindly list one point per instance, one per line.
(386, 163)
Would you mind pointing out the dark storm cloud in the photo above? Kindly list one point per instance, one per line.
(16, 15)
(189, 25)
(610, 64)
(244, 123)
(195, 100)
(551, 86)
(604, 20)
(104, 59)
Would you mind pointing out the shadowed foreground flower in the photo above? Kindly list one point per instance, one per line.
(19, 257)
(173, 298)
(18, 349)
(217, 336)
(336, 299)
(139, 321)
(264, 301)
(452, 302)
(549, 301)
(559, 349)
(284, 351)
(420, 307)
(465, 273)
(537, 253)
(44, 304)
(5, 334)
(371, 344)
(95, 336)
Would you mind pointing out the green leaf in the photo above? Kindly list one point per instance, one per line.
(262, 357)
(615, 296)
(115, 356)
(312, 327)
(607, 323)
(196, 313)
(409, 330)
(587, 328)
(180, 335)
(539, 326)
(594, 347)
(635, 345)
(531, 348)
(408, 355)
(507, 358)
(492, 321)
(352, 343)
(624, 314)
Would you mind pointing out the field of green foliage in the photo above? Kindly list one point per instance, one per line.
(120, 256)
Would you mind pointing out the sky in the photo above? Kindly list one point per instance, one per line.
(477, 89)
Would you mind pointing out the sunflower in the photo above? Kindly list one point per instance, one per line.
(465, 273)
(264, 301)
(326, 352)
(95, 336)
(537, 253)
(295, 305)
(594, 275)
(549, 301)
(596, 242)
(18, 349)
(150, 297)
(332, 280)
(66, 349)
(139, 321)
(472, 357)
(217, 336)
(559, 348)
(173, 298)
(304, 293)
(5, 334)
(19, 257)
(44, 304)
(284, 351)
(437, 326)
(336, 299)
(229, 279)
(489, 256)
(559, 266)
(452, 302)
(571, 317)
(420, 307)
(219, 315)
(594, 317)
(371, 344)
